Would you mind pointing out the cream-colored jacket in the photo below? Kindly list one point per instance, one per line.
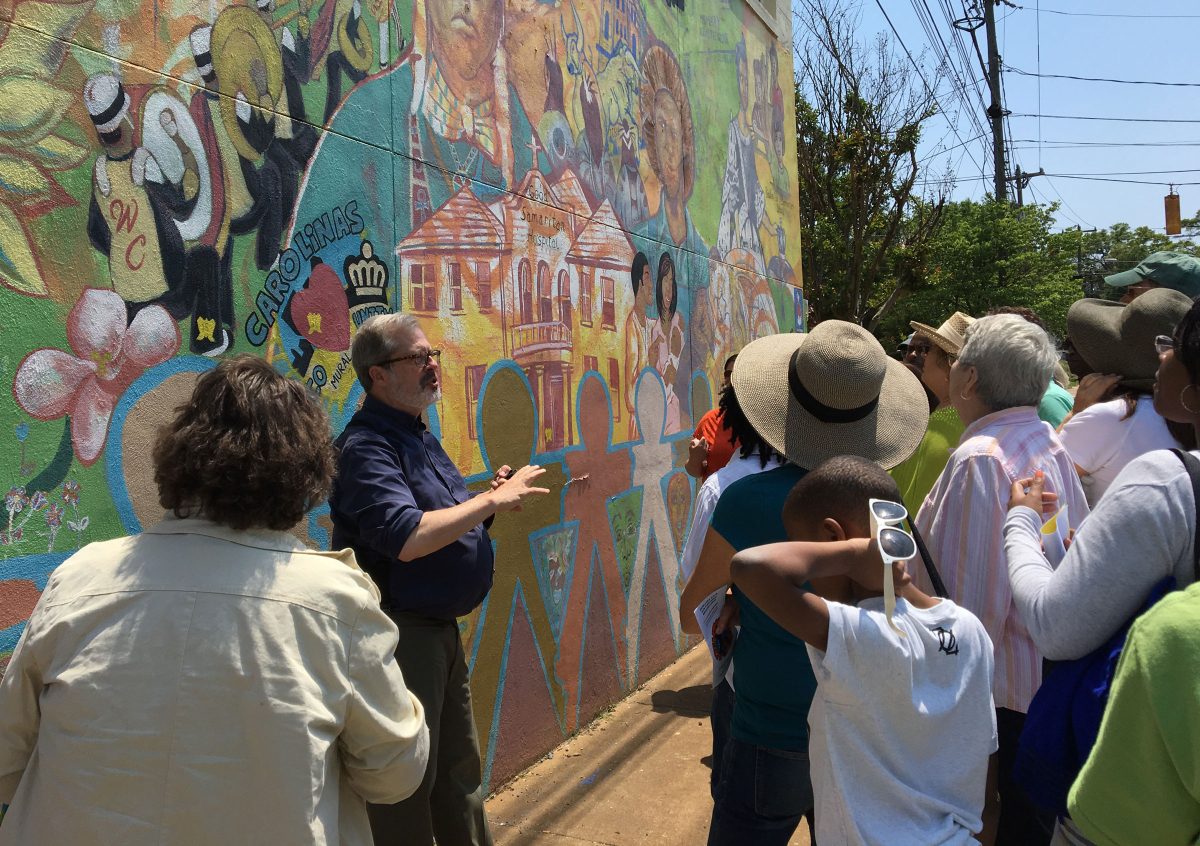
(200, 685)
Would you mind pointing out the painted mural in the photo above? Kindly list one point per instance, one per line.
(588, 203)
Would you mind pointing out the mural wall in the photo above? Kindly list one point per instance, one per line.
(588, 203)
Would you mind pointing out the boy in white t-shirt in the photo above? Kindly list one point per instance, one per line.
(903, 728)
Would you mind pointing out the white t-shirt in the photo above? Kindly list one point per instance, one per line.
(901, 727)
(1101, 442)
(706, 502)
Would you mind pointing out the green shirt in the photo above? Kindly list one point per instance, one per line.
(1141, 783)
(772, 674)
(917, 474)
(1056, 404)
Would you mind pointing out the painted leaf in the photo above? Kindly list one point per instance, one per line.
(22, 180)
(40, 35)
(30, 109)
(18, 267)
(29, 188)
(58, 153)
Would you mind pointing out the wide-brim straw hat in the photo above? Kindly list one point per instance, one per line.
(1118, 338)
(831, 392)
(950, 336)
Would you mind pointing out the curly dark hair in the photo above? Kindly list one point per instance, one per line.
(249, 450)
(1029, 314)
(734, 420)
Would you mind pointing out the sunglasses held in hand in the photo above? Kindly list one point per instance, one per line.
(894, 545)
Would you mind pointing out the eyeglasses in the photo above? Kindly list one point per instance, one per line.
(422, 358)
(1164, 344)
(894, 544)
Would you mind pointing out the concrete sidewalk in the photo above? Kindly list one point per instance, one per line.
(637, 775)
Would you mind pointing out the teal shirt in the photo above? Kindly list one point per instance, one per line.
(1056, 404)
(772, 674)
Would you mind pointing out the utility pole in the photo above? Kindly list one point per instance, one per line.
(1022, 179)
(996, 109)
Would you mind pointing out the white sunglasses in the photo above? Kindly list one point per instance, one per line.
(895, 544)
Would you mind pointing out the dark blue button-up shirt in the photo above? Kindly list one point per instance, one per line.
(391, 470)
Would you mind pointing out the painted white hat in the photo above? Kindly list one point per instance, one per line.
(106, 101)
(201, 39)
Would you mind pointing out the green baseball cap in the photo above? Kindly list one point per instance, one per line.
(1177, 271)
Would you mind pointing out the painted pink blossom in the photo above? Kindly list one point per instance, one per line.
(108, 356)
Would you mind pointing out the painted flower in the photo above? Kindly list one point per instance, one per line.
(38, 501)
(15, 500)
(54, 515)
(108, 356)
(70, 492)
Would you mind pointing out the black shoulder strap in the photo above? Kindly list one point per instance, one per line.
(935, 578)
(1193, 467)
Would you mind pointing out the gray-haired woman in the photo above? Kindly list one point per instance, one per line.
(995, 385)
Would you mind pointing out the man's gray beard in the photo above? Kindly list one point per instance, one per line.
(422, 397)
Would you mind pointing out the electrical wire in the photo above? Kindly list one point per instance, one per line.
(1110, 14)
(1098, 117)
(1016, 70)
(921, 75)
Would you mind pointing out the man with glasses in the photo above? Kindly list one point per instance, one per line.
(403, 507)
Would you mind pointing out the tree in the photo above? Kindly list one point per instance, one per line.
(859, 112)
(988, 254)
(1121, 247)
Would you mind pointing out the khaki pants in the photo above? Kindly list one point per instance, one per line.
(448, 805)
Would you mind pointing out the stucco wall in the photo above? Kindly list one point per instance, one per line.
(171, 193)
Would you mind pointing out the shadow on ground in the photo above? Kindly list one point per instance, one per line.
(694, 701)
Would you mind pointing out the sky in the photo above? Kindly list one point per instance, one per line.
(1100, 38)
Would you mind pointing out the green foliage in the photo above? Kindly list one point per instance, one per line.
(1121, 247)
(989, 254)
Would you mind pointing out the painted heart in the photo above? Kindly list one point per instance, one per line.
(319, 310)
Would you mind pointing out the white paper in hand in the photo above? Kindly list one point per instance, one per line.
(720, 647)
(1054, 537)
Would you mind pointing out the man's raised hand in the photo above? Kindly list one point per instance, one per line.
(509, 493)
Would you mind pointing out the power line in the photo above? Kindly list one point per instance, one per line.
(1098, 117)
(1131, 172)
(1112, 14)
(1127, 181)
(1011, 69)
(1073, 214)
(921, 74)
(1066, 144)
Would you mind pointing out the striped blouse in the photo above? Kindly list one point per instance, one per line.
(962, 520)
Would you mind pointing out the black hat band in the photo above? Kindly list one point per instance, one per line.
(821, 411)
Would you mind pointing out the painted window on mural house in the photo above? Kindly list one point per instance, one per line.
(483, 283)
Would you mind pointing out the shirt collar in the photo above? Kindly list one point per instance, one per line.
(259, 538)
(392, 419)
(1003, 418)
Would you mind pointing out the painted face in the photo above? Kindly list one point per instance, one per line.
(668, 127)
(412, 385)
(1171, 389)
(465, 33)
(645, 291)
